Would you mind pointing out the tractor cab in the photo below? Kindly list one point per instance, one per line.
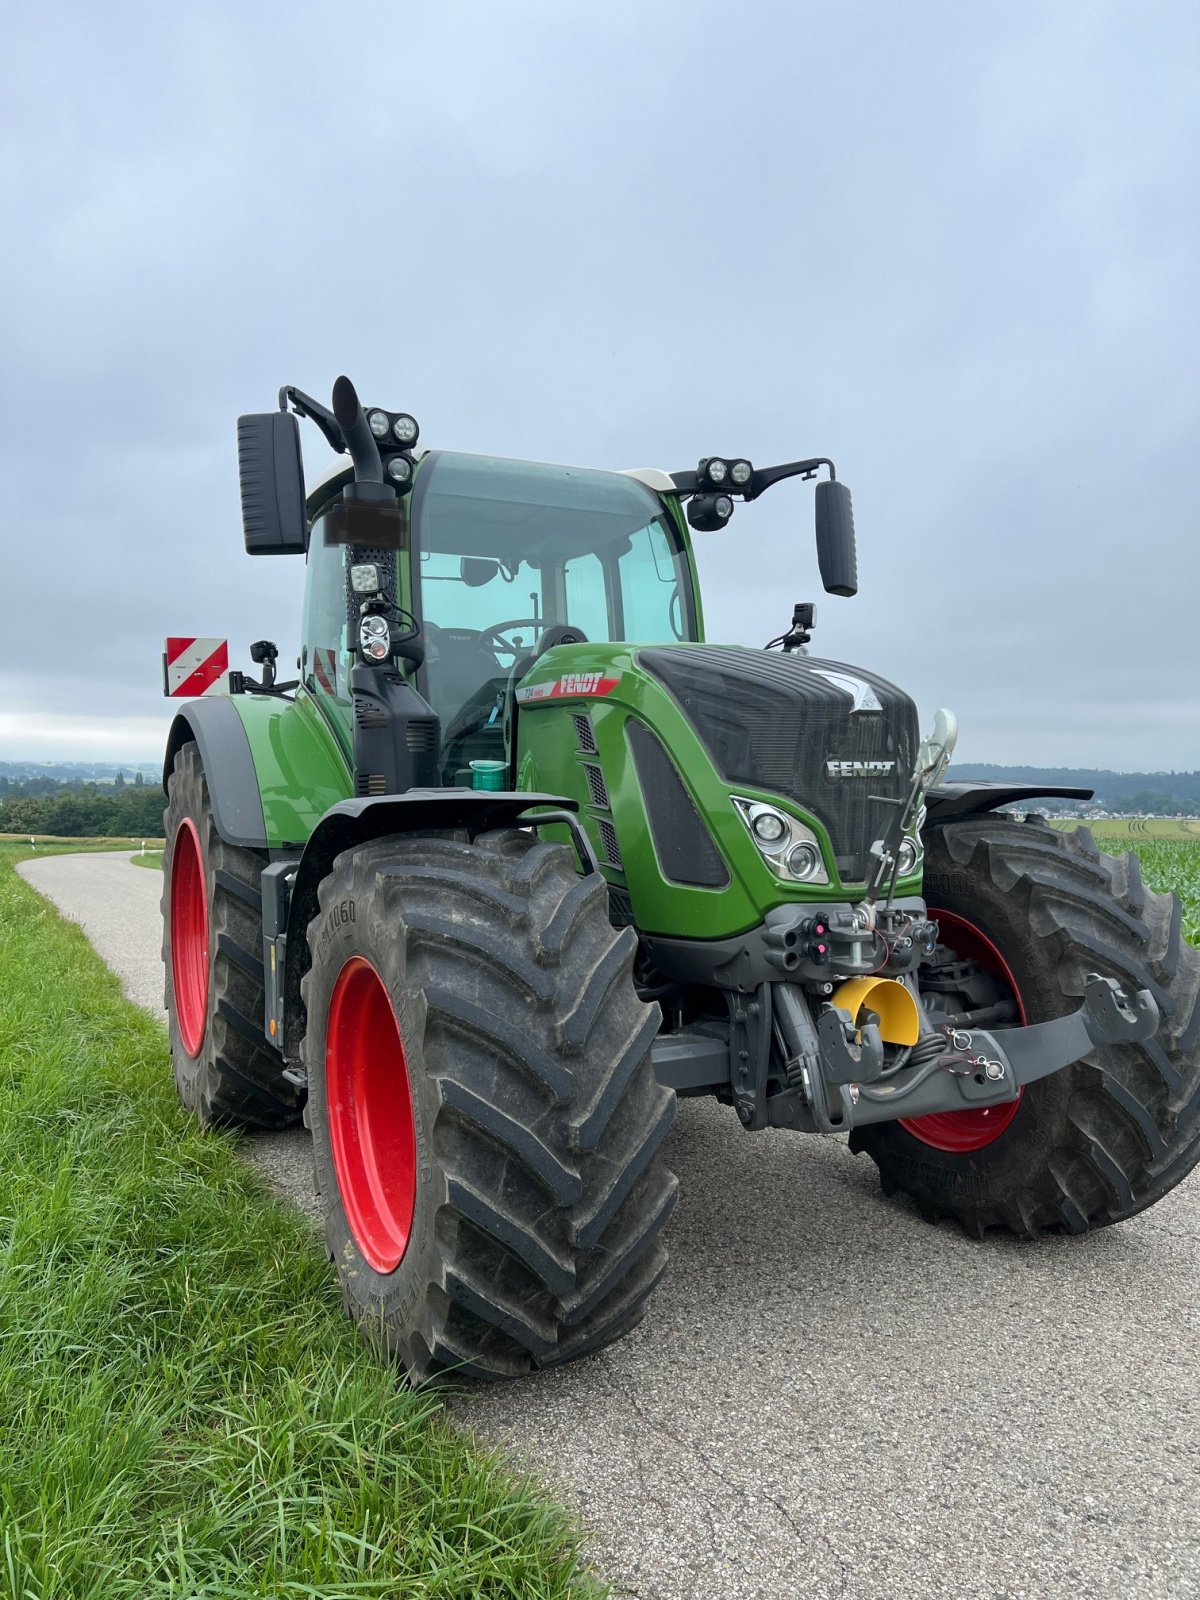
(501, 560)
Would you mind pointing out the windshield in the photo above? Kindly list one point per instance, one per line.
(504, 550)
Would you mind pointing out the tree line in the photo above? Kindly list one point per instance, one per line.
(77, 810)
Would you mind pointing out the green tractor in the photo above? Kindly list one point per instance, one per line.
(519, 859)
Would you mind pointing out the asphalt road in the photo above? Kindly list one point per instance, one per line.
(830, 1397)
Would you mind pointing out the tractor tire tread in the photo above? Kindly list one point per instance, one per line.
(1119, 1128)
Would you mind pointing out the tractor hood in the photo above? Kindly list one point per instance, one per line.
(664, 746)
(837, 740)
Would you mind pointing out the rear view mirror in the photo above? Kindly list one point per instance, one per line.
(836, 551)
(475, 571)
(271, 474)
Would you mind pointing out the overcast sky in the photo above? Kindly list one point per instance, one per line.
(955, 247)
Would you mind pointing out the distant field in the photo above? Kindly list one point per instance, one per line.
(1104, 828)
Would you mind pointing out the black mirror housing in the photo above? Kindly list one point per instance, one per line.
(475, 571)
(271, 475)
(837, 554)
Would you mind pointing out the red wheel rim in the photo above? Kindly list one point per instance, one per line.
(189, 937)
(960, 1132)
(371, 1128)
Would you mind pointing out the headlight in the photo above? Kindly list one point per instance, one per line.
(404, 429)
(907, 857)
(769, 826)
(723, 506)
(804, 861)
(717, 470)
(364, 578)
(374, 638)
(741, 472)
(788, 846)
(379, 423)
(399, 469)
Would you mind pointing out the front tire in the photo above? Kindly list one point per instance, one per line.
(225, 1071)
(1108, 1136)
(486, 1121)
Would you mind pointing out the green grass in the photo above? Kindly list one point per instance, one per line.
(1167, 863)
(184, 1410)
(151, 859)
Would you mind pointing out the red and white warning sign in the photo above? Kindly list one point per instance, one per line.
(195, 667)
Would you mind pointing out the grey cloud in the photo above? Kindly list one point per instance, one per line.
(953, 247)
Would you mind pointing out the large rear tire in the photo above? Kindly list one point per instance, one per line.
(1108, 1136)
(212, 955)
(486, 1121)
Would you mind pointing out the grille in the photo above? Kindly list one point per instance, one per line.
(682, 842)
(371, 783)
(772, 722)
(422, 736)
(597, 790)
(608, 837)
(585, 734)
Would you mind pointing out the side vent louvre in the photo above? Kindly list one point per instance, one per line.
(597, 789)
(422, 737)
(612, 851)
(369, 713)
(684, 847)
(371, 783)
(585, 734)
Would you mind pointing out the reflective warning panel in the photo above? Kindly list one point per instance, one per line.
(195, 666)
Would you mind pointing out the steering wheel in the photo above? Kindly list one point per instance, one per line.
(491, 636)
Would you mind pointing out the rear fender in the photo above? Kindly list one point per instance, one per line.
(273, 767)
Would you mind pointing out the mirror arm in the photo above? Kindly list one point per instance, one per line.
(688, 483)
(766, 477)
(305, 406)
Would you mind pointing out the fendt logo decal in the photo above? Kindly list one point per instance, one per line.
(858, 769)
(571, 683)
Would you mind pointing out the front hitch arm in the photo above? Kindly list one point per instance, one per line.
(985, 1069)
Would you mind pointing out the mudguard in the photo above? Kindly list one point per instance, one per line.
(273, 767)
(950, 802)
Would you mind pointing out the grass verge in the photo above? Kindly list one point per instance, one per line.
(151, 859)
(184, 1411)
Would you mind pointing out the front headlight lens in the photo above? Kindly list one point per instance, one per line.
(769, 826)
(803, 861)
(718, 470)
(379, 423)
(788, 846)
(399, 469)
(404, 429)
(741, 472)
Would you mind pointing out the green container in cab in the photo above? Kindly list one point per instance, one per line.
(487, 774)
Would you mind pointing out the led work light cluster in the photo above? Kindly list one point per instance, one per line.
(718, 479)
(790, 849)
(396, 433)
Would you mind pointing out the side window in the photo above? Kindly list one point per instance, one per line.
(650, 596)
(325, 658)
(587, 604)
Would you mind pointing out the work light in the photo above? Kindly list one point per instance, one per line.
(405, 430)
(399, 469)
(741, 472)
(379, 423)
